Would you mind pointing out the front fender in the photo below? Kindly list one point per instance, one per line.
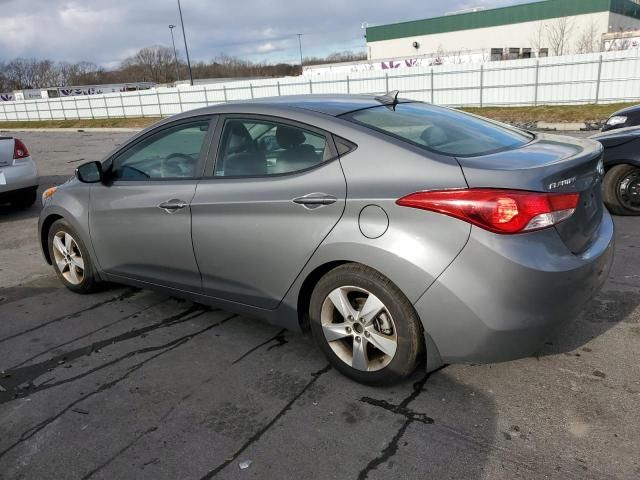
(71, 204)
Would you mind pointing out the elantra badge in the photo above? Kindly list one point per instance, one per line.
(562, 183)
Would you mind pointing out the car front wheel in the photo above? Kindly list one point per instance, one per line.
(70, 258)
(621, 190)
(365, 326)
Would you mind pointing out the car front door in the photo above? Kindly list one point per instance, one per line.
(276, 192)
(140, 218)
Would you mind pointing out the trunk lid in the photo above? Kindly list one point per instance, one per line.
(549, 164)
(6, 151)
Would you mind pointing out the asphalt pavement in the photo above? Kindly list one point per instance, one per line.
(128, 383)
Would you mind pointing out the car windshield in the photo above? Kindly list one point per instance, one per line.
(441, 130)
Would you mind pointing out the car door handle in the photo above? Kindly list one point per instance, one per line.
(172, 206)
(315, 200)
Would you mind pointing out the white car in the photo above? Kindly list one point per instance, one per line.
(18, 173)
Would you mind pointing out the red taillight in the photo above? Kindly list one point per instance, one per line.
(499, 211)
(19, 149)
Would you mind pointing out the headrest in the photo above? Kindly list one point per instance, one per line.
(239, 138)
(434, 135)
(289, 137)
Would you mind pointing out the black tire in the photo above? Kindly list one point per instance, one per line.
(89, 282)
(24, 200)
(612, 196)
(407, 326)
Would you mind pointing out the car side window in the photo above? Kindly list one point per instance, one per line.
(255, 148)
(169, 154)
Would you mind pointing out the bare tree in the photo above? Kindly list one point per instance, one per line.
(558, 34)
(150, 64)
(154, 64)
(589, 39)
(539, 38)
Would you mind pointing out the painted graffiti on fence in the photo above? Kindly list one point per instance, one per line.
(451, 58)
(54, 92)
(100, 89)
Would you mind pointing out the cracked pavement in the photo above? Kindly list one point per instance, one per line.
(128, 383)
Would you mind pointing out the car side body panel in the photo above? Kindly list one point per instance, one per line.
(417, 246)
(251, 240)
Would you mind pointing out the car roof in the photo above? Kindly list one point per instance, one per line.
(333, 105)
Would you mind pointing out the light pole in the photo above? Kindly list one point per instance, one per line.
(300, 47)
(175, 53)
(186, 48)
(364, 27)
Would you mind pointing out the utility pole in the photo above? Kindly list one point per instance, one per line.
(175, 53)
(186, 48)
(300, 47)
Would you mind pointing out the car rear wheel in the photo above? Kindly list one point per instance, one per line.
(70, 258)
(365, 326)
(621, 190)
(24, 199)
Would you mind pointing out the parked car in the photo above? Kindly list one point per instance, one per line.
(395, 229)
(18, 173)
(621, 186)
(627, 117)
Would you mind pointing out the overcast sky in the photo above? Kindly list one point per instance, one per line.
(107, 31)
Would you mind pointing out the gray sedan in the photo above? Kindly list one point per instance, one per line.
(18, 173)
(396, 231)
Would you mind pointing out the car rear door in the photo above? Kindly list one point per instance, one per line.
(276, 191)
(140, 219)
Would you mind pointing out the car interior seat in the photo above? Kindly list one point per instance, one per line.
(241, 156)
(296, 154)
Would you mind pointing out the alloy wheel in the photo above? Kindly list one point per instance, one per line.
(68, 258)
(359, 328)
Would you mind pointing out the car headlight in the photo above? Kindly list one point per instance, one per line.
(617, 120)
(47, 194)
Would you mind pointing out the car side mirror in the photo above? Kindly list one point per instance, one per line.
(90, 172)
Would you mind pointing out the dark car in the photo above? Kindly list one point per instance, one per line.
(621, 186)
(627, 117)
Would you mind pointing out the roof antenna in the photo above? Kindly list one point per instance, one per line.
(390, 98)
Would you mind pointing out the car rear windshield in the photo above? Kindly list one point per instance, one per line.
(441, 130)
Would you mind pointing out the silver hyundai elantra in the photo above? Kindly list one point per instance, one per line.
(397, 231)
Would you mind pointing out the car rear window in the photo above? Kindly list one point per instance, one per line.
(441, 130)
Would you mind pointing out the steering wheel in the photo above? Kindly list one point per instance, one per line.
(174, 165)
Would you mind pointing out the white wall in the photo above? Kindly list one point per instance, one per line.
(517, 35)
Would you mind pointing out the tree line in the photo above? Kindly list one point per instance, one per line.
(150, 64)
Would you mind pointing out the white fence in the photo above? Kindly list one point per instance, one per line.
(576, 79)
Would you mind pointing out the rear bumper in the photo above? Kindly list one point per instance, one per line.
(504, 295)
(24, 175)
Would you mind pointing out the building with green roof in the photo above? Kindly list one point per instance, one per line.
(550, 27)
